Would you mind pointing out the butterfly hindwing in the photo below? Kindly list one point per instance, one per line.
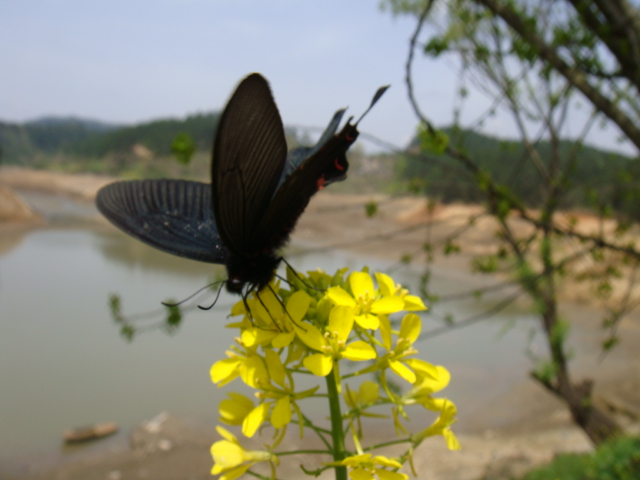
(172, 215)
(249, 154)
(299, 155)
(328, 164)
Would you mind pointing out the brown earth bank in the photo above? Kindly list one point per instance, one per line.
(533, 426)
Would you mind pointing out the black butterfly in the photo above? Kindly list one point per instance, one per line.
(256, 195)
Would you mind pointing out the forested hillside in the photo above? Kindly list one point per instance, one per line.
(73, 144)
(595, 172)
(45, 136)
(145, 150)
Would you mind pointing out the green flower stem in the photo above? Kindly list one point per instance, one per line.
(399, 441)
(322, 433)
(337, 430)
(284, 453)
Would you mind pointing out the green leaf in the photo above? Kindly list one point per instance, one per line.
(436, 46)
(433, 141)
(371, 208)
(183, 147)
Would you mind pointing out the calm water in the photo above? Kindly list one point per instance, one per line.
(64, 364)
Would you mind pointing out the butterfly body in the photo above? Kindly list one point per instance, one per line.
(256, 196)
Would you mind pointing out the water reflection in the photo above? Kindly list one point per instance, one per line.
(135, 255)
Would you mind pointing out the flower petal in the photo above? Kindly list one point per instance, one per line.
(268, 307)
(402, 370)
(311, 336)
(369, 392)
(389, 475)
(341, 321)
(298, 305)
(254, 371)
(235, 472)
(358, 351)
(234, 410)
(368, 321)
(224, 433)
(385, 284)
(387, 305)
(360, 474)
(386, 461)
(281, 414)
(452, 441)
(257, 336)
(275, 367)
(385, 331)
(413, 303)
(339, 296)
(431, 379)
(226, 455)
(283, 339)
(361, 284)
(410, 327)
(319, 364)
(254, 420)
(226, 369)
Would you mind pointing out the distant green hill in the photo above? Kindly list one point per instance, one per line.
(69, 141)
(597, 175)
(45, 136)
(156, 136)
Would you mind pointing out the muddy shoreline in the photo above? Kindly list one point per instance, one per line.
(538, 430)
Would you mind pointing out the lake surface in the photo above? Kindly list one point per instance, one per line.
(63, 363)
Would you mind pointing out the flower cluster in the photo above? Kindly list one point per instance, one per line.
(322, 325)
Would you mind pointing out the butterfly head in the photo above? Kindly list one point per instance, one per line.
(256, 271)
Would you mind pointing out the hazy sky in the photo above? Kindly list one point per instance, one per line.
(128, 61)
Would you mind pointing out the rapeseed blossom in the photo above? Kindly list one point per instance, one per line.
(325, 325)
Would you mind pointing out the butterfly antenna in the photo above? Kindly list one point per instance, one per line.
(267, 310)
(177, 304)
(376, 97)
(215, 300)
(284, 307)
(246, 304)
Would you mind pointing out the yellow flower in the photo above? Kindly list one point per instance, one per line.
(231, 460)
(364, 467)
(273, 324)
(396, 358)
(412, 303)
(429, 379)
(274, 390)
(367, 394)
(248, 365)
(333, 344)
(235, 409)
(366, 300)
(442, 425)
(281, 389)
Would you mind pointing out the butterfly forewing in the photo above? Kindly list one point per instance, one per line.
(249, 154)
(172, 215)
